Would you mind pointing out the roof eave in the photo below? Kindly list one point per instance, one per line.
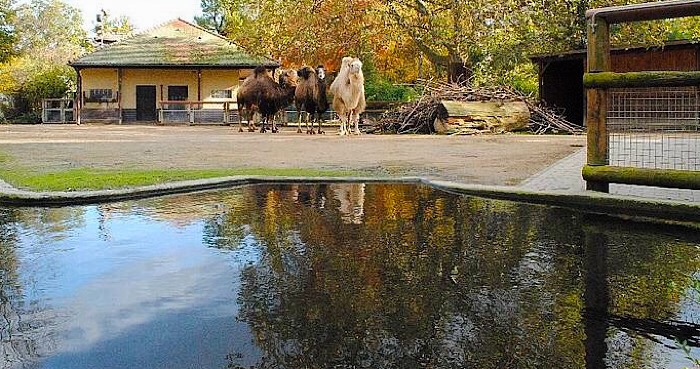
(176, 66)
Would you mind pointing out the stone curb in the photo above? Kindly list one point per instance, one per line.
(590, 202)
(16, 197)
(587, 201)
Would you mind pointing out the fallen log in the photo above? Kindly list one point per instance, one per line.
(471, 117)
(428, 113)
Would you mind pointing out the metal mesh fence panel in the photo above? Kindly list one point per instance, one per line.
(656, 128)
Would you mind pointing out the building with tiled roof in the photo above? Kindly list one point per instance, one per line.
(140, 78)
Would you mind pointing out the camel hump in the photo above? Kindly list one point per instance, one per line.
(260, 70)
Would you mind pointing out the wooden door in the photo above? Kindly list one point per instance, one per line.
(146, 103)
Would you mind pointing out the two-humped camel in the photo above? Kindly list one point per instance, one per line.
(348, 91)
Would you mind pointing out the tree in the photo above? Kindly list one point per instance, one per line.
(315, 32)
(44, 25)
(7, 34)
(214, 15)
(453, 33)
(52, 29)
(121, 25)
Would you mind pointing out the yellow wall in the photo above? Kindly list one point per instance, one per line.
(100, 79)
(211, 80)
(161, 78)
(218, 80)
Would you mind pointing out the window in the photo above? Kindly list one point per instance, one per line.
(222, 94)
(177, 93)
(100, 94)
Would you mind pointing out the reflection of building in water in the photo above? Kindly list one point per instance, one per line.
(352, 201)
(178, 210)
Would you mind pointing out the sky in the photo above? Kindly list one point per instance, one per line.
(144, 14)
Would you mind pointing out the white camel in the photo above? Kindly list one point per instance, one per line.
(348, 91)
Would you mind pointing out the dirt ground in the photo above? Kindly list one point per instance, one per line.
(495, 160)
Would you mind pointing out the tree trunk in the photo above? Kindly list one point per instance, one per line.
(458, 72)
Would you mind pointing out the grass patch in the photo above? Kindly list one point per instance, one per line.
(4, 158)
(99, 179)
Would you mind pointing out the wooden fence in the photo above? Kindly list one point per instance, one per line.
(58, 111)
(608, 99)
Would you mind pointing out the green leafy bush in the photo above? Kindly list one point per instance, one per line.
(53, 81)
(383, 90)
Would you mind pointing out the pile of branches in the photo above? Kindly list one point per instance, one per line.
(419, 116)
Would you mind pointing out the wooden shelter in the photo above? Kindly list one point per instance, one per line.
(561, 75)
(174, 72)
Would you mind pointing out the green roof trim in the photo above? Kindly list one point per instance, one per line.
(176, 43)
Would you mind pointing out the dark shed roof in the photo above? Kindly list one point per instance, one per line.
(174, 44)
(581, 54)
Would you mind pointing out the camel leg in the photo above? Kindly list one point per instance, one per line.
(274, 124)
(318, 121)
(263, 121)
(299, 114)
(356, 118)
(251, 122)
(240, 120)
(342, 117)
(309, 120)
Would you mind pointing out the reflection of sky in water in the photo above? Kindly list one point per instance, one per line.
(146, 284)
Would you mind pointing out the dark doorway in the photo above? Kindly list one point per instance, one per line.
(146, 103)
(562, 88)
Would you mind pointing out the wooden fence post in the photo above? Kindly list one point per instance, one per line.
(597, 98)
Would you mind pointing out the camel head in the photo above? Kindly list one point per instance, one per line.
(345, 62)
(355, 66)
(306, 72)
(321, 72)
(288, 78)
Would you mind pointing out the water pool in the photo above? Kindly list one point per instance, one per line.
(342, 276)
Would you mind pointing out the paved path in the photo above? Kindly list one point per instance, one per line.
(565, 175)
(487, 160)
(539, 163)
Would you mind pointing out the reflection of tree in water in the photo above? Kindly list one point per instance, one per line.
(404, 290)
(24, 333)
(16, 347)
(428, 279)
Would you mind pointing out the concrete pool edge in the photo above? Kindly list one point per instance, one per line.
(584, 201)
(590, 202)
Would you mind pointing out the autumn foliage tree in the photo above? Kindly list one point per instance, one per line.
(7, 34)
(482, 41)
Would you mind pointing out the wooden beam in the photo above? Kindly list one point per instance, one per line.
(598, 61)
(598, 52)
(79, 100)
(199, 84)
(120, 76)
(646, 11)
(670, 178)
(641, 79)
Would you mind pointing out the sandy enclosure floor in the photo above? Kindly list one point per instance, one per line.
(495, 160)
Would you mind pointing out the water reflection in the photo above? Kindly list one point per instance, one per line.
(341, 276)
